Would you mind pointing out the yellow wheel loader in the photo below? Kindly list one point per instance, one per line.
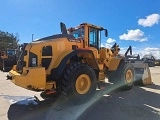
(74, 63)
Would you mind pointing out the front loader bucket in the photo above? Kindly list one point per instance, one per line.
(142, 74)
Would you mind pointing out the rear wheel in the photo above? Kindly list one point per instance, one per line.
(79, 83)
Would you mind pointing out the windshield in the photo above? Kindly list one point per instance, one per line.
(77, 33)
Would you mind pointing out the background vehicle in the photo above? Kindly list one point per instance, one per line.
(157, 62)
(7, 59)
(74, 63)
(150, 60)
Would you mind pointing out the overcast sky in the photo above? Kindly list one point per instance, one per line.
(129, 22)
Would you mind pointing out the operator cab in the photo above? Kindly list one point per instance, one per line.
(90, 34)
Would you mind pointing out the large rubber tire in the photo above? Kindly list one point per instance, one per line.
(123, 77)
(78, 83)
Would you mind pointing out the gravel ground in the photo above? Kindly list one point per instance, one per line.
(139, 103)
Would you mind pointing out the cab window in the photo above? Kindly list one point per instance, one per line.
(93, 37)
(78, 33)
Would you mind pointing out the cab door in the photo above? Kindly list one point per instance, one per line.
(94, 37)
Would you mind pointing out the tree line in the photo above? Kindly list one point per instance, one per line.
(8, 40)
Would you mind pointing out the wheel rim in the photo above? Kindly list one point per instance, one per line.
(83, 84)
(129, 76)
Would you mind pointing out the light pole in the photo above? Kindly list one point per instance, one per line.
(32, 37)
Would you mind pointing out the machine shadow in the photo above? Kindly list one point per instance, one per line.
(108, 103)
(154, 86)
(135, 104)
(32, 111)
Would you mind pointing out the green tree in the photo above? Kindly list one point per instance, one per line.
(8, 40)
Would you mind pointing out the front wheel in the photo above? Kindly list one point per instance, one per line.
(123, 77)
(78, 83)
(127, 76)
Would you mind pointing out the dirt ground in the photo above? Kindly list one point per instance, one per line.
(139, 103)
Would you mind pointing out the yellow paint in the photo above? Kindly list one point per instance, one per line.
(36, 78)
(114, 63)
(83, 84)
(49, 85)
